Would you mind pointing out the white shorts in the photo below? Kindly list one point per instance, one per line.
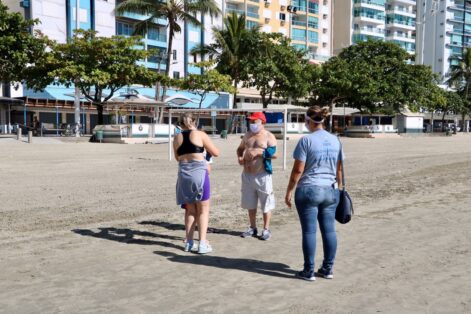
(255, 188)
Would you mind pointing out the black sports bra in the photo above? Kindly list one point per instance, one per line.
(187, 147)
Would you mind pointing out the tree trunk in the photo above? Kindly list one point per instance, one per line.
(443, 121)
(331, 118)
(169, 52)
(463, 122)
(234, 101)
(157, 90)
(431, 123)
(99, 109)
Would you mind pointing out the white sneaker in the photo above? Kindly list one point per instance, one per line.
(204, 248)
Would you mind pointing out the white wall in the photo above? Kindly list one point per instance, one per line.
(52, 15)
(414, 122)
(105, 22)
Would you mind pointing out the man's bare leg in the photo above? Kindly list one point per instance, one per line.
(266, 220)
(253, 218)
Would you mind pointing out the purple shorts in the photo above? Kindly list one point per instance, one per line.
(206, 189)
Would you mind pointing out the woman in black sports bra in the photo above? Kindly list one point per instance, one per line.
(193, 187)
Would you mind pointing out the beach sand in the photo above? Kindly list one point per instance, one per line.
(94, 228)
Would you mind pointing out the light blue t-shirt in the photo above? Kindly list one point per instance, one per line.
(320, 153)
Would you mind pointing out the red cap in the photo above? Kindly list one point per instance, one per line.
(258, 116)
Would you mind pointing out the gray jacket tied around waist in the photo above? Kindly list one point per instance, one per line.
(190, 181)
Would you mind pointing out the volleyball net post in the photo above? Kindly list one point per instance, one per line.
(176, 111)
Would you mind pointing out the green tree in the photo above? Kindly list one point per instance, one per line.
(231, 48)
(275, 68)
(460, 79)
(453, 103)
(210, 81)
(100, 66)
(19, 49)
(174, 11)
(374, 76)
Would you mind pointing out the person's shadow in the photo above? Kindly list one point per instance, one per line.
(128, 236)
(172, 226)
(244, 264)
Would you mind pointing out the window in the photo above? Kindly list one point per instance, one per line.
(313, 37)
(195, 58)
(298, 34)
(313, 22)
(324, 30)
(283, 16)
(176, 75)
(124, 29)
(156, 33)
(174, 55)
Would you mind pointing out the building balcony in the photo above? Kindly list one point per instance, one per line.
(399, 25)
(406, 2)
(374, 19)
(401, 37)
(378, 32)
(403, 12)
(455, 20)
(368, 4)
(460, 7)
(141, 17)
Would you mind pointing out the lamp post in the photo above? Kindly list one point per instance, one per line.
(77, 88)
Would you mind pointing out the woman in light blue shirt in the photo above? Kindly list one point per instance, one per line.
(316, 172)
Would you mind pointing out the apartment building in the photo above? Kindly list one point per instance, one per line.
(306, 22)
(444, 33)
(388, 20)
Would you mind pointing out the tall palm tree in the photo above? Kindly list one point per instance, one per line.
(174, 11)
(460, 78)
(229, 48)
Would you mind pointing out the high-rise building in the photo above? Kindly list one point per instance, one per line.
(389, 20)
(306, 22)
(58, 18)
(444, 32)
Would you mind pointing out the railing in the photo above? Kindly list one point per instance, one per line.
(402, 35)
(371, 2)
(298, 23)
(371, 16)
(370, 30)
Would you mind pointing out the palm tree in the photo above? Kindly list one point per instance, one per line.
(229, 48)
(460, 78)
(174, 11)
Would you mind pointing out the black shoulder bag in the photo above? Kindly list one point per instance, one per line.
(344, 211)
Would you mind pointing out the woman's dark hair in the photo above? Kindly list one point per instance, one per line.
(317, 113)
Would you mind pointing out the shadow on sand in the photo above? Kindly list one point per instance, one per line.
(128, 236)
(243, 264)
(172, 226)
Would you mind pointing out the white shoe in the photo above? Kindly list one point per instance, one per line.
(204, 248)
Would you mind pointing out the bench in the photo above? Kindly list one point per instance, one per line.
(51, 128)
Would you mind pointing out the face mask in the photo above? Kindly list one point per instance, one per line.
(255, 128)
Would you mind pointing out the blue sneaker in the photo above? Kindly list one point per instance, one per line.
(251, 232)
(266, 235)
(324, 273)
(306, 275)
(188, 245)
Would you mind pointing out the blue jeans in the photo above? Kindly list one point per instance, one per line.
(317, 203)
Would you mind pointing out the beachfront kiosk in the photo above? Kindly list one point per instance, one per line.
(410, 122)
(123, 127)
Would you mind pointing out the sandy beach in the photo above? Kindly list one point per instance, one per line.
(94, 228)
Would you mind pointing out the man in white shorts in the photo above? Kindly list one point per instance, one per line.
(255, 152)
